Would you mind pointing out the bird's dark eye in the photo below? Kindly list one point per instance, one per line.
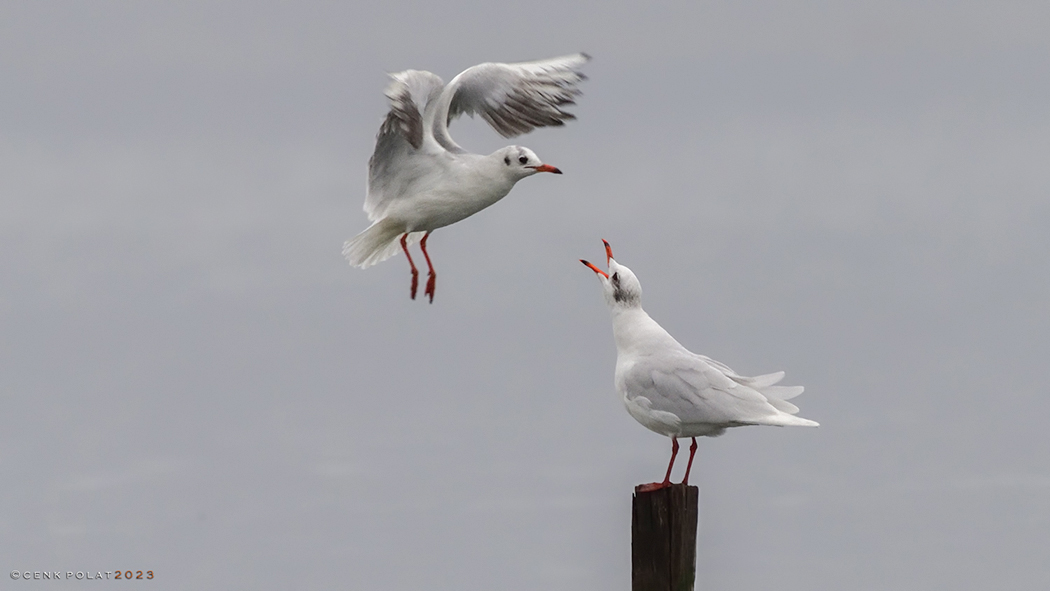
(523, 159)
(616, 277)
(506, 160)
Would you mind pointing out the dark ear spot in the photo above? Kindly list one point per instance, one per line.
(619, 294)
(506, 160)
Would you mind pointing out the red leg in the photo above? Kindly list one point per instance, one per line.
(415, 272)
(667, 479)
(431, 275)
(674, 452)
(689, 466)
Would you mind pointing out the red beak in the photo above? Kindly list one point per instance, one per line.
(595, 269)
(608, 251)
(547, 168)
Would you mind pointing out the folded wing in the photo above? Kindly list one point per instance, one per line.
(698, 392)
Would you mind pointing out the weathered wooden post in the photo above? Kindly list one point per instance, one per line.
(663, 538)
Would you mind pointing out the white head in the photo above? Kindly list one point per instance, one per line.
(520, 162)
(622, 289)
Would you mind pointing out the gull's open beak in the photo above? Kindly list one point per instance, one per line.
(595, 269)
(608, 251)
(546, 168)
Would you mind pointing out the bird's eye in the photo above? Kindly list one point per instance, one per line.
(616, 277)
(523, 159)
(506, 160)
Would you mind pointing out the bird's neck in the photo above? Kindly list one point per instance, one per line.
(484, 180)
(634, 329)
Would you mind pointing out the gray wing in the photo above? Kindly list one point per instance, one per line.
(514, 98)
(401, 136)
(695, 391)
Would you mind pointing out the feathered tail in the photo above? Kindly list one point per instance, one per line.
(377, 243)
(778, 397)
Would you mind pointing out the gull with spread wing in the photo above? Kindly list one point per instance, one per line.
(420, 180)
(675, 392)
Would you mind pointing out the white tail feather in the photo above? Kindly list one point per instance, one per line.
(786, 420)
(782, 406)
(376, 244)
(763, 381)
(782, 392)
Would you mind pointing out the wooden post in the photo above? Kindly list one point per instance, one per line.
(663, 539)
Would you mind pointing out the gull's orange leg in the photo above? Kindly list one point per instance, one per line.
(415, 272)
(689, 466)
(431, 274)
(667, 479)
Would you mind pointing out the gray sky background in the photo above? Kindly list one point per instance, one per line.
(195, 383)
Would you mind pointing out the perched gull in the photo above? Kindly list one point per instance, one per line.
(420, 180)
(675, 392)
